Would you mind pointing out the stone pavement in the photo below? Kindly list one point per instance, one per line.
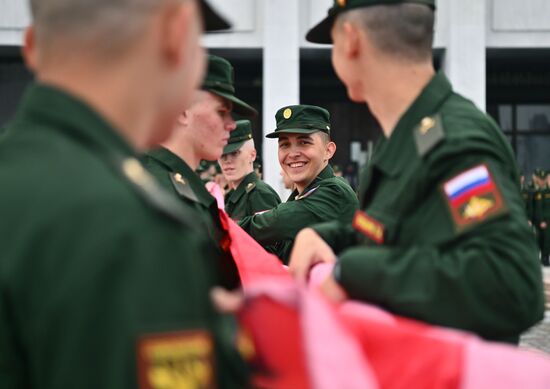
(538, 337)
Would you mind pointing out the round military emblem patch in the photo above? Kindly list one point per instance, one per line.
(287, 113)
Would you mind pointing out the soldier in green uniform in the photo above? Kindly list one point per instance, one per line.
(528, 194)
(305, 148)
(201, 133)
(442, 235)
(541, 213)
(248, 195)
(104, 281)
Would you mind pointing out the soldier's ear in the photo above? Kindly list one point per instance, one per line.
(352, 40)
(253, 155)
(176, 29)
(29, 49)
(330, 149)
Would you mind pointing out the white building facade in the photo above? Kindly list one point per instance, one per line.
(495, 52)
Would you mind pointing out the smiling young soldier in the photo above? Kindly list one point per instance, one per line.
(201, 133)
(305, 149)
(442, 235)
(103, 276)
(248, 195)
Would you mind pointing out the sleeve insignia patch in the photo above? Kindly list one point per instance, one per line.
(472, 197)
(176, 360)
(368, 226)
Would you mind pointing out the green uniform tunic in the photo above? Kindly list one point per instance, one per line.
(177, 177)
(528, 194)
(250, 197)
(326, 198)
(416, 251)
(99, 268)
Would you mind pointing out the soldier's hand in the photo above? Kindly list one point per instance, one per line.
(308, 250)
(333, 291)
(543, 225)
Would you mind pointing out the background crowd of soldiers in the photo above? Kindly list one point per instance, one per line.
(536, 193)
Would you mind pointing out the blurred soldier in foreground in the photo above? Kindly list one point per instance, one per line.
(442, 235)
(248, 195)
(305, 150)
(201, 133)
(104, 281)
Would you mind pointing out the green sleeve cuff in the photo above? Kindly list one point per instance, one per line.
(337, 235)
(360, 270)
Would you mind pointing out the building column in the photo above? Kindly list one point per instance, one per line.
(281, 76)
(465, 56)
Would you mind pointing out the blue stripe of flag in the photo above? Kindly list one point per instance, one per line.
(469, 187)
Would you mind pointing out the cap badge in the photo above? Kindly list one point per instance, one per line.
(342, 3)
(426, 124)
(287, 113)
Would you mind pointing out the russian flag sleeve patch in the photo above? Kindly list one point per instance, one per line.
(473, 197)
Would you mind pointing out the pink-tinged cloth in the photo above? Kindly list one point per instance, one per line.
(357, 345)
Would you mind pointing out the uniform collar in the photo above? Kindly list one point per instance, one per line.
(59, 110)
(170, 160)
(241, 188)
(177, 165)
(393, 155)
(327, 172)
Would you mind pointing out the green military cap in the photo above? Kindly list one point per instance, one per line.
(320, 33)
(211, 19)
(238, 136)
(220, 80)
(301, 119)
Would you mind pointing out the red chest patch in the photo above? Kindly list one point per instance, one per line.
(369, 226)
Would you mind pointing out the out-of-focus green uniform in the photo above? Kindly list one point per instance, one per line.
(442, 235)
(104, 281)
(326, 198)
(250, 197)
(177, 177)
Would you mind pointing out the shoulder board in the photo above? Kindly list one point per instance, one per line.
(250, 186)
(308, 193)
(148, 189)
(182, 187)
(428, 134)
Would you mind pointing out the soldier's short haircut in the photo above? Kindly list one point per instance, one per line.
(324, 136)
(402, 30)
(108, 25)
